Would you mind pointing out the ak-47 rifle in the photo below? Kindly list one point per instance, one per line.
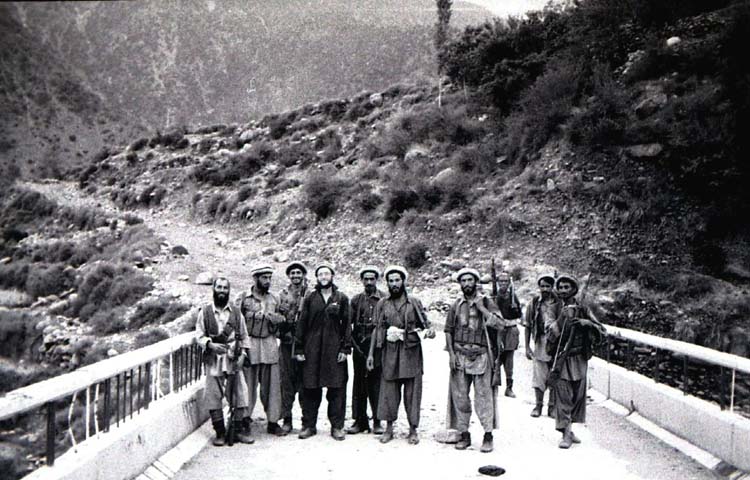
(232, 385)
(494, 278)
(562, 355)
(513, 299)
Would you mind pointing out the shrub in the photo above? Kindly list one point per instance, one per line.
(14, 275)
(150, 336)
(17, 333)
(138, 144)
(107, 322)
(245, 192)
(107, 286)
(131, 219)
(156, 311)
(213, 203)
(415, 254)
(295, 153)
(369, 200)
(48, 279)
(322, 192)
(399, 201)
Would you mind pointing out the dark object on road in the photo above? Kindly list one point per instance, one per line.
(491, 470)
(179, 250)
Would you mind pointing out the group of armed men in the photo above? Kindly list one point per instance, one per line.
(298, 343)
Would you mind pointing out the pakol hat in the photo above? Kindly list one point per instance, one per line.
(548, 277)
(261, 269)
(467, 271)
(369, 269)
(396, 269)
(293, 265)
(567, 278)
(325, 265)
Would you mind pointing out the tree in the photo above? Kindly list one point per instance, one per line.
(441, 37)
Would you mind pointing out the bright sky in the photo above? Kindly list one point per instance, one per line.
(503, 8)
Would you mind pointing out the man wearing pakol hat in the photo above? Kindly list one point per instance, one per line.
(290, 305)
(218, 326)
(541, 312)
(366, 383)
(323, 339)
(508, 337)
(399, 319)
(572, 338)
(467, 338)
(261, 311)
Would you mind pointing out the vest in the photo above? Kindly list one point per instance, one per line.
(258, 325)
(463, 333)
(211, 325)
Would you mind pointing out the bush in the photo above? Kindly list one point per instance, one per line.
(48, 280)
(415, 254)
(213, 203)
(399, 201)
(138, 144)
(107, 286)
(245, 192)
(156, 311)
(14, 275)
(108, 322)
(369, 200)
(150, 336)
(322, 193)
(17, 333)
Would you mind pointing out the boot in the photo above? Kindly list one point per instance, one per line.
(221, 433)
(388, 434)
(550, 410)
(487, 443)
(413, 437)
(537, 412)
(217, 420)
(539, 395)
(377, 428)
(307, 432)
(287, 426)
(464, 442)
(509, 389)
(567, 440)
(274, 429)
(338, 434)
(574, 438)
(243, 432)
(359, 426)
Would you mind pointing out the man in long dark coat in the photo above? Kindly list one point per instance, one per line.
(322, 341)
(399, 319)
(366, 383)
(508, 337)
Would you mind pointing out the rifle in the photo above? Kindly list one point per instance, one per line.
(232, 386)
(494, 278)
(562, 355)
(513, 299)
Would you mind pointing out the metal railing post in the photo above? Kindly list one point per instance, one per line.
(50, 454)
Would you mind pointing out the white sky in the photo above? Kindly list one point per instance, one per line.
(503, 8)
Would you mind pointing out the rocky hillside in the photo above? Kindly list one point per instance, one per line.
(76, 76)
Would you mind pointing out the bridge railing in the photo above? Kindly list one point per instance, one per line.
(716, 376)
(105, 393)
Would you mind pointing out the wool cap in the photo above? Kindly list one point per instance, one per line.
(369, 269)
(548, 277)
(325, 265)
(467, 271)
(567, 278)
(261, 269)
(396, 269)
(293, 265)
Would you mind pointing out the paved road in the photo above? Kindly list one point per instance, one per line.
(612, 447)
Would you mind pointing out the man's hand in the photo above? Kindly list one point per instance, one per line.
(239, 363)
(528, 353)
(299, 358)
(583, 322)
(275, 318)
(370, 363)
(341, 357)
(455, 363)
(217, 348)
(429, 333)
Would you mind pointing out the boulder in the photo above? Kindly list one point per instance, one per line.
(416, 154)
(672, 41)
(179, 250)
(204, 278)
(486, 278)
(444, 176)
(550, 184)
(645, 150)
(281, 257)
(376, 99)
(112, 352)
(267, 251)
(293, 238)
(183, 278)
(5, 260)
(652, 103)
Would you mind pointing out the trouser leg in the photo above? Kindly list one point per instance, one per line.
(336, 398)
(459, 386)
(287, 380)
(270, 391)
(484, 400)
(413, 399)
(565, 396)
(251, 379)
(359, 390)
(508, 365)
(389, 399)
(311, 398)
(373, 390)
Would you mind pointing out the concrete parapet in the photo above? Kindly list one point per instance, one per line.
(127, 451)
(724, 434)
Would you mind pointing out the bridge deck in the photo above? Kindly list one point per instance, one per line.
(526, 447)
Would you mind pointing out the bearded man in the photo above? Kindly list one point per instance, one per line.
(218, 326)
(322, 341)
(399, 319)
(470, 354)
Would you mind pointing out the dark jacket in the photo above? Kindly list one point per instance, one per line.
(323, 331)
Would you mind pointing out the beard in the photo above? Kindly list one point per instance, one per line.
(469, 291)
(324, 284)
(370, 289)
(221, 299)
(396, 291)
(262, 288)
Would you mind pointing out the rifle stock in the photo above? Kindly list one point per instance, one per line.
(494, 278)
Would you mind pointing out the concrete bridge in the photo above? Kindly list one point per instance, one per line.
(138, 415)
